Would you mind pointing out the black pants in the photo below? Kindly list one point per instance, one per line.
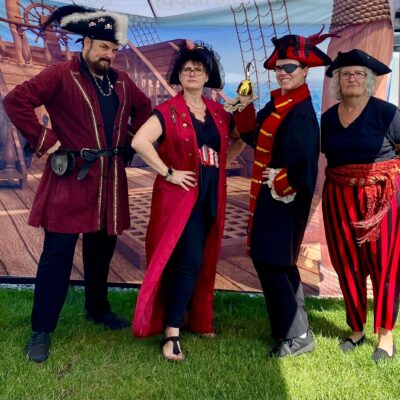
(54, 270)
(185, 263)
(284, 298)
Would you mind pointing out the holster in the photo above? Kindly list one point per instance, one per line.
(62, 162)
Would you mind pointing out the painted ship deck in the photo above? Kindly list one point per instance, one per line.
(20, 244)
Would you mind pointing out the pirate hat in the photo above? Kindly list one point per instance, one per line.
(95, 24)
(197, 52)
(300, 48)
(357, 57)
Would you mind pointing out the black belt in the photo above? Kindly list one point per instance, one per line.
(63, 160)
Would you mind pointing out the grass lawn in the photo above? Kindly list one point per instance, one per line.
(89, 362)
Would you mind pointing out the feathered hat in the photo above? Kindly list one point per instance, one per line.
(300, 48)
(95, 24)
(198, 52)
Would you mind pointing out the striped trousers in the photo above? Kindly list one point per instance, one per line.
(380, 259)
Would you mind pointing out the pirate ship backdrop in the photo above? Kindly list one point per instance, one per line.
(242, 37)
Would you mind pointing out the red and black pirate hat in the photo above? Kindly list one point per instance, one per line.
(300, 48)
(95, 24)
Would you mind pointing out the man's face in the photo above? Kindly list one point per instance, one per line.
(99, 54)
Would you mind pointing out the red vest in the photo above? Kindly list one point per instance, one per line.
(170, 211)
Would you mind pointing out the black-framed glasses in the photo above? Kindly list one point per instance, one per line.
(197, 71)
(288, 68)
(345, 76)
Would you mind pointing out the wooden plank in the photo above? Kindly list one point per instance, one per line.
(221, 283)
(239, 276)
(14, 254)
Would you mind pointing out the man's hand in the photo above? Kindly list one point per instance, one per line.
(53, 148)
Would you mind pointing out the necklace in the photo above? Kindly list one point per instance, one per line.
(110, 86)
(191, 105)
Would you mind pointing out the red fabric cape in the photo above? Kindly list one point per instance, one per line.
(170, 210)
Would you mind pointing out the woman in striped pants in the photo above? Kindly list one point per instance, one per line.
(361, 197)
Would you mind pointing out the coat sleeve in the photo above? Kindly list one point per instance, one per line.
(21, 102)
(140, 109)
(302, 151)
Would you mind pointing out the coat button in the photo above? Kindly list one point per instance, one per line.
(186, 140)
(190, 154)
(183, 115)
(184, 124)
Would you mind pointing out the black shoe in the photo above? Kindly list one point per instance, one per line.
(294, 347)
(39, 346)
(382, 355)
(110, 320)
(349, 344)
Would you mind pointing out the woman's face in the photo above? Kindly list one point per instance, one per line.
(290, 80)
(193, 75)
(352, 81)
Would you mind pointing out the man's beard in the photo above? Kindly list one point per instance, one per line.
(98, 67)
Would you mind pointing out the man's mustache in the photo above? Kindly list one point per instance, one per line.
(105, 59)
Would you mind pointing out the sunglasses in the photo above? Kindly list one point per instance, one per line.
(288, 68)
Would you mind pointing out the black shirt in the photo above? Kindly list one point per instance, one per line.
(108, 104)
(370, 138)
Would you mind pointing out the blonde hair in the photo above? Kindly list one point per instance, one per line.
(370, 83)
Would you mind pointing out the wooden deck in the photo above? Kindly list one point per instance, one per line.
(20, 244)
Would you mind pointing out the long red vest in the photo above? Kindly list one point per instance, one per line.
(170, 211)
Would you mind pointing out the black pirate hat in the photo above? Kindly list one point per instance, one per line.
(198, 52)
(357, 57)
(95, 24)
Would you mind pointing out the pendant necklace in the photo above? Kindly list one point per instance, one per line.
(110, 86)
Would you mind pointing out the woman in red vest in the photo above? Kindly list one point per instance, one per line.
(285, 135)
(188, 206)
(361, 197)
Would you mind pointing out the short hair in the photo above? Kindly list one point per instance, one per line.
(336, 93)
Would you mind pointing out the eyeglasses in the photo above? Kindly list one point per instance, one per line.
(345, 76)
(197, 71)
(288, 68)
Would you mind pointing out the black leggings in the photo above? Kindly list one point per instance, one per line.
(54, 270)
(284, 298)
(185, 263)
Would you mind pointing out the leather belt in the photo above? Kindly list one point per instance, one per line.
(87, 154)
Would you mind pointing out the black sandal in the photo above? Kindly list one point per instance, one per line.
(175, 348)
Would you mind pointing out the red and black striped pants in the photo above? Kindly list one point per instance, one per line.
(379, 259)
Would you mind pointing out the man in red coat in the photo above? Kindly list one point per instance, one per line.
(89, 105)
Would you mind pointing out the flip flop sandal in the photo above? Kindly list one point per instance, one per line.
(175, 348)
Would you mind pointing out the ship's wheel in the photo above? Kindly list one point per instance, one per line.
(35, 14)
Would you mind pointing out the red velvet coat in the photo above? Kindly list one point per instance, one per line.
(64, 204)
(170, 211)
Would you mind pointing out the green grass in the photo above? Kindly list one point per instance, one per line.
(89, 362)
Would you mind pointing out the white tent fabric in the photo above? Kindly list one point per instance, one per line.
(303, 12)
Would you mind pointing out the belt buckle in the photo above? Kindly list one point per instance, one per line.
(82, 150)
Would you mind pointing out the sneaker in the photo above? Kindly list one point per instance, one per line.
(294, 347)
(110, 320)
(39, 346)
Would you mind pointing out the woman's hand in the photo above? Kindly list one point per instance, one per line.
(265, 176)
(183, 179)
